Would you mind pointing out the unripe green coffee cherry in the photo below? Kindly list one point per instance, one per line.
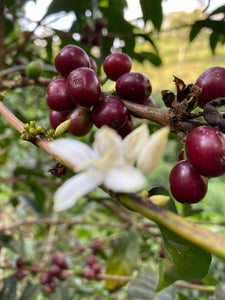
(34, 70)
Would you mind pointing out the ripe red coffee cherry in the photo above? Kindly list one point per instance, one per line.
(100, 24)
(205, 149)
(133, 86)
(97, 268)
(93, 64)
(91, 260)
(59, 260)
(88, 273)
(117, 64)
(212, 83)
(187, 185)
(83, 86)
(81, 121)
(54, 270)
(57, 96)
(126, 128)
(20, 274)
(149, 101)
(110, 111)
(70, 58)
(56, 118)
(19, 262)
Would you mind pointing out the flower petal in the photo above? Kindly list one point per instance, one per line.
(126, 179)
(152, 152)
(134, 142)
(108, 146)
(75, 188)
(73, 150)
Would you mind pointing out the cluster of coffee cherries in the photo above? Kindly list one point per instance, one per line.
(55, 272)
(203, 156)
(78, 94)
(91, 33)
(93, 268)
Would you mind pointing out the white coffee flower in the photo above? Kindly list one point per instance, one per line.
(109, 162)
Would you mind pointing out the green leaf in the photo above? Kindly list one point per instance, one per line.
(7, 241)
(152, 10)
(121, 26)
(213, 40)
(9, 290)
(219, 292)
(150, 56)
(215, 25)
(123, 259)
(218, 10)
(183, 260)
(143, 287)
(79, 7)
(30, 291)
(39, 195)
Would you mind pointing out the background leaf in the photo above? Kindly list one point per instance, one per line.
(152, 10)
(9, 289)
(143, 287)
(183, 260)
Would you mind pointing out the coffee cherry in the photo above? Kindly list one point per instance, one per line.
(34, 70)
(212, 83)
(45, 278)
(110, 111)
(93, 64)
(91, 260)
(100, 24)
(149, 101)
(186, 183)
(56, 118)
(88, 273)
(133, 86)
(54, 270)
(20, 262)
(181, 155)
(59, 260)
(20, 274)
(126, 128)
(97, 268)
(81, 121)
(57, 96)
(70, 58)
(83, 86)
(117, 64)
(50, 286)
(205, 149)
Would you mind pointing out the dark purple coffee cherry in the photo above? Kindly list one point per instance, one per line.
(20, 262)
(45, 278)
(57, 96)
(212, 83)
(59, 260)
(97, 268)
(83, 86)
(21, 273)
(88, 273)
(70, 58)
(91, 260)
(186, 183)
(110, 111)
(126, 128)
(100, 24)
(117, 64)
(149, 101)
(205, 149)
(81, 121)
(54, 270)
(56, 118)
(93, 64)
(133, 86)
